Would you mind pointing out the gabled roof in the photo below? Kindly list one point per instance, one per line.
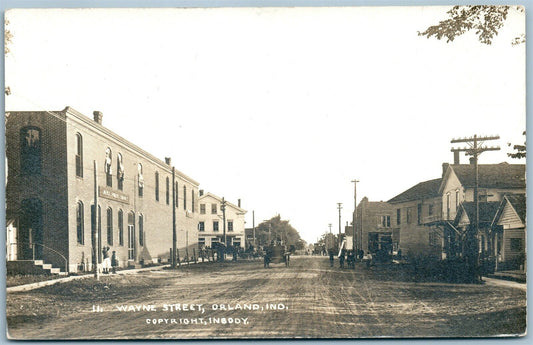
(517, 202)
(423, 190)
(503, 175)
(487, 211)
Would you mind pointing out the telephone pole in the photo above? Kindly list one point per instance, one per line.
(474, 149)
(339, 207)
(354, 215)
(223, 208)
(96, 247)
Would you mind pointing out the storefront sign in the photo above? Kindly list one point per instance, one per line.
(111, 194)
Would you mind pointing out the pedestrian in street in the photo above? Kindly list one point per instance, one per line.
(369, 260)
(114, 262)
(266, 259)
(341, 259)
(351, 259)
(331, 259)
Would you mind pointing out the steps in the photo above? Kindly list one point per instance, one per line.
(36, 267)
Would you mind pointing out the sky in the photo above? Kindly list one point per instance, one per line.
(279, 107)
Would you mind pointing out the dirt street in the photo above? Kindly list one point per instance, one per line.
(243, 300)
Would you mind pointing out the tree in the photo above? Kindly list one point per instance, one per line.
(520, 150)
(276, 229)
(484, 19)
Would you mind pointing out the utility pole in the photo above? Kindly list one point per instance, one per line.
(474, 149)
(339, 207)
(174, 237)
(96, 248)
(354, 215)
(253, 228)
(223, 208)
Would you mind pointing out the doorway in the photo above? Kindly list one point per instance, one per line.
(30, 232)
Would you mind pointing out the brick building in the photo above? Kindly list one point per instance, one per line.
(377, 227)
(57, 160)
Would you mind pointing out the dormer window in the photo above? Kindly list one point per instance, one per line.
(107, 168)
(30, 151)
(120, 172)
(79, 155)
(140, 179)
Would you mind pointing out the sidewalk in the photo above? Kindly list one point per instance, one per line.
(516, 276)
(32, 286)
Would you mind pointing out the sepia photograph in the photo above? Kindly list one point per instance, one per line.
(213, 173)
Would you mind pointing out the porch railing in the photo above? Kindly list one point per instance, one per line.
(33, 245)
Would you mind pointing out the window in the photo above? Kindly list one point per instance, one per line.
(201, 226)
(176, 193)
(213, 208)
(408, 215)
(384, 221)
(184, 197)
(109, 226)
(447, 205)
(107, 168)
(230, 225)
(202, 208)
(141, 230)
(201, 242)
(419, 214)
(79, 223)
(120, 228)
(140, 179)
(433, 239)
(457, 199)
(215, 225)
(516, 244)
(168, 191)
(192, 200)
(120, 172)
(430, 210)
(79, 155)
(30, 151)
(398, 216)
(156, 186)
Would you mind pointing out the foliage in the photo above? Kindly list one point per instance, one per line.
(485, 20)
(7, 37)
(276, 229)
(520, 150)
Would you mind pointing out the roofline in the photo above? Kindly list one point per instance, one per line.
(413, 199)
(220, 199)
(70, 112)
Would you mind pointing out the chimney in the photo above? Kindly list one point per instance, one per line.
(472, 160)
(201, 191)
(239, 202)
(97, 115)
(456, 160)
(444, 168)
(168, 160)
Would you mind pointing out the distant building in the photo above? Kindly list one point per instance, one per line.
(414, 209)
(51, 185)
(211, 225)
(376, 227)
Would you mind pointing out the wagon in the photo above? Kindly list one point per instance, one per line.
(276, 254)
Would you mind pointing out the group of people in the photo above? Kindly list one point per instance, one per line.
(344, 255)
(109, 264)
